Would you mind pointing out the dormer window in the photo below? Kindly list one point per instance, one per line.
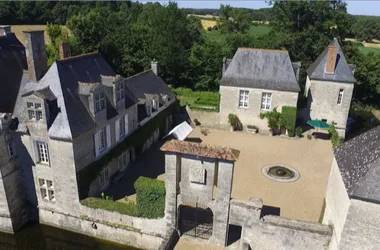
(155, 104)
(100, 102)
(119, 92)
(34, 110)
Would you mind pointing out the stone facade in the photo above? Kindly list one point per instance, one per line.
(337, 204)
(13, 208)
(323, 102)
(229, 103)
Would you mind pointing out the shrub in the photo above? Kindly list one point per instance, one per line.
(309, 136)
(288, 117)
(196, 122)
(335, 139)
(150, 197)
(274, 118)
(128, 208)
(298, 131)
(291, 132)
(234, 121)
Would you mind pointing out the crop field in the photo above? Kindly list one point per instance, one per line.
(208, 23)
(366, 48)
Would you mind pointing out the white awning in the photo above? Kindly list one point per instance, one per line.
(181, 131)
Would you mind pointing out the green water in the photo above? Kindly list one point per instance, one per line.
(41, 237)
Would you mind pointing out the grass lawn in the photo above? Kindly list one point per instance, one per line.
(198, 99)
(259, 30)
(367, 50)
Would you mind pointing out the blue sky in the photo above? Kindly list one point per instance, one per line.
(354, 7)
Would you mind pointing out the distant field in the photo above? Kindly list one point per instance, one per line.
(208, 23)
(254, 30)
(366, 48)
(18, 29)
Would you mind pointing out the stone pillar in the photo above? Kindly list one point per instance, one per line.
(222, 208)
(35, 54)
(172, 174)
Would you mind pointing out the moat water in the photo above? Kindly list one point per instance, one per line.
(41, 237)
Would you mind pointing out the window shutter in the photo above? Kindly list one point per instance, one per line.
(108, 136)
(117, 130)
(126, 124)
(96, 140)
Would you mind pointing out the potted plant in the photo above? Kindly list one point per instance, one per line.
(196, 122)
(298, 132)
(233, 120)
(252, 129)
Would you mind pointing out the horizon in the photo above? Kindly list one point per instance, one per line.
(367, 8)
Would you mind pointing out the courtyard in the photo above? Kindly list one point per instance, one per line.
(301, 199)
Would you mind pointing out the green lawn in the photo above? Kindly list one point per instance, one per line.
(207, 101)
(366, 50)
(259, 30)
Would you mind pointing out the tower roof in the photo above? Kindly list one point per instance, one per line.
(342, 71)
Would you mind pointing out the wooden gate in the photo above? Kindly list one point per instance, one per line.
(195, 220)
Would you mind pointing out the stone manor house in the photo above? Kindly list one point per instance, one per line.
(57, 121)
(259, 80)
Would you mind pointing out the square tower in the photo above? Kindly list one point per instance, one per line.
(329, 87)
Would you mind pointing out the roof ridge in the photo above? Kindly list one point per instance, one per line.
(138, 74)
(260, 49)
(77, 57)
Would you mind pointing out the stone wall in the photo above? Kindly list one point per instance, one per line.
(322, 100)
(274, 232)
(337, 204)
(229, 103)
(107, 231)
(361, 229)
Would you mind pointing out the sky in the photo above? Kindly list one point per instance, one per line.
(358, 7)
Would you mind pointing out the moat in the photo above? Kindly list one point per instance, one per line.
(44, 237)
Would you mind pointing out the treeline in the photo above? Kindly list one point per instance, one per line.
(365, 28)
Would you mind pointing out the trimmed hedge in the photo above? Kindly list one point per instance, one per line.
(128, 208)
(150, 197)
(135, 140)
(335, 139)
(288, 118)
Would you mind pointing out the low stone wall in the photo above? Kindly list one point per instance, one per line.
(111, 226)
(207, 119)
(274, 232)
(6, 224)
(170, 241)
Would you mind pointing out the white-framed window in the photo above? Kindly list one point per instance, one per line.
(34, 110)
(47, 190)
(121, 127)
(340, 96)
(11, 149)
(43, 152)
(124, 160)
(243, 98)
(100, 101)
(102, 140)
(119, 91)
(266, 101)
(103, 176)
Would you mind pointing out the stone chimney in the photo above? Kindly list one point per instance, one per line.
(5, 29)
(331, 59)
(64, 50)
(154, 66)
(35, 54)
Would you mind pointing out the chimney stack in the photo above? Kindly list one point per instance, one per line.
(35, 54)
(5, 29)
(154, 66)
(331, 59)
(64, 50)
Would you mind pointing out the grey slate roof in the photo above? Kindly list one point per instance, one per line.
(146, 84)
(343, 72)
(359, 163)
(262, 69)
(12, 65)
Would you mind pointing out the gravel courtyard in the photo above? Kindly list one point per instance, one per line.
(302, 199)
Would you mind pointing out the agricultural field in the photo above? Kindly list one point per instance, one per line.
(208, 23)
(366, 48)
(18, 29)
